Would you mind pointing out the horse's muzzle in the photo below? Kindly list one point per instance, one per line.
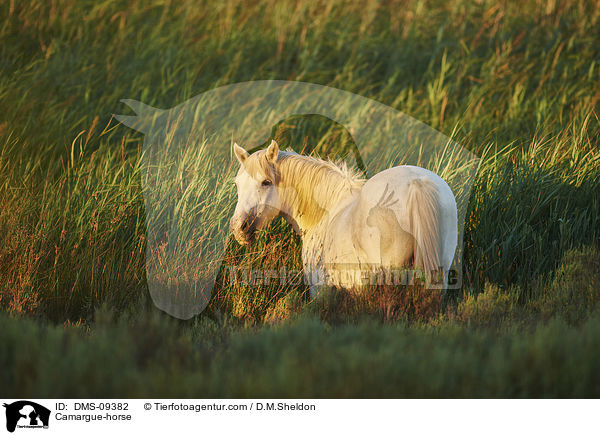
(244, 229)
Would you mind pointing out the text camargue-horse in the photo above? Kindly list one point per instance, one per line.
(403, 217)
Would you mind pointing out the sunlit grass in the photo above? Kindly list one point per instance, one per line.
(515, 83)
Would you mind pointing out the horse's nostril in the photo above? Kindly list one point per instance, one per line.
(248, 223)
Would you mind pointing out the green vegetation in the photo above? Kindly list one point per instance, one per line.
(155, 357)
(515, 82)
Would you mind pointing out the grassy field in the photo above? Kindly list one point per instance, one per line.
(514, 82)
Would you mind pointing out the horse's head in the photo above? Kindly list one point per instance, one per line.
(258, 198)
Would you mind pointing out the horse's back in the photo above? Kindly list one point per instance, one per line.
(401, 176)
(390, 191)
(397, 180)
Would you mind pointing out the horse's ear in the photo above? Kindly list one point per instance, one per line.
(273, 152)
(240, 153)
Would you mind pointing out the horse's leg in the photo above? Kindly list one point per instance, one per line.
(314, 277)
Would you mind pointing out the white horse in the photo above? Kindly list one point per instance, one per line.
(402, 217)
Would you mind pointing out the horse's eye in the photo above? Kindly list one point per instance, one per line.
(267, 182)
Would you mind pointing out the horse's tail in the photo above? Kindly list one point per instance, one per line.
(424, 217)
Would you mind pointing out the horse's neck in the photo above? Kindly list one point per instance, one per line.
(312, 194)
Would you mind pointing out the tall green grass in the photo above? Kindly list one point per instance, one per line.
(514, 82)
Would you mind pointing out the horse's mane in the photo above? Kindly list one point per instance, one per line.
(313, 167)
(320, 184)
(317, 185)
